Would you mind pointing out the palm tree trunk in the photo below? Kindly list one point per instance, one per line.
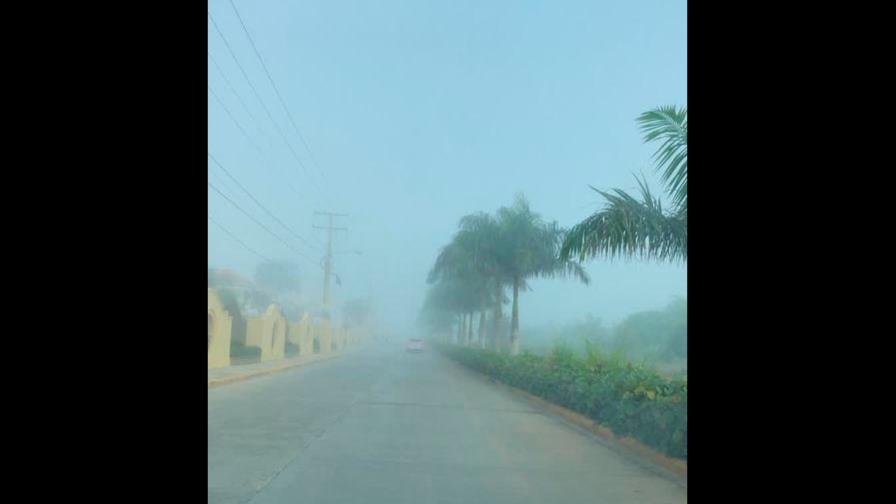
(515, 320)
(463, 329)
(496, 323)
(482, 320)
(470, 330)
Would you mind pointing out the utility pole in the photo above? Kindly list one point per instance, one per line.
(328, 259)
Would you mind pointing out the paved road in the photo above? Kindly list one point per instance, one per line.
(389, 427)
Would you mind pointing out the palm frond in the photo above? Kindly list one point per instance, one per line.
(670, 126)
(567, 268)
(629, 227)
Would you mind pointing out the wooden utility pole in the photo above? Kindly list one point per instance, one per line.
(328, 258)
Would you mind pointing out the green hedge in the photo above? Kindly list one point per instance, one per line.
(629, 399)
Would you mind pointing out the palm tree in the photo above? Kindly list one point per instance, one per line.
(489, 253)
(478, 234)
(528, 247)
(470, 257)
(630, 227)
(439, 310)
(454, 275)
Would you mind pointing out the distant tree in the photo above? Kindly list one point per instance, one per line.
(259, 301)
(439, 309)
(489, 253)
(658, 334)
(278, 277)
(468, 261)
(677, 346)
(478, 236)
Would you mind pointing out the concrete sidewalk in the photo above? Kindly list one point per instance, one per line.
(230, 374)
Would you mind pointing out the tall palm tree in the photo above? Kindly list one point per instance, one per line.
(478, 234)
(527, 248)
(631, 227)
(454, 271)
(444, 305)
(471, 256)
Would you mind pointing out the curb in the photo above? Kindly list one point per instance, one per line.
(290, 364)
(675, 468)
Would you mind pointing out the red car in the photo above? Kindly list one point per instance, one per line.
(414, 345)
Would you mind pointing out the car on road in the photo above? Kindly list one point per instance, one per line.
(414, 345)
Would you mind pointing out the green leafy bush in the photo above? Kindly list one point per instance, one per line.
(631, 400)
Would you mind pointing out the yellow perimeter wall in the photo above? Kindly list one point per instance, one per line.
(270, 332)
(220, 325)
(299, 334)
(324, 336)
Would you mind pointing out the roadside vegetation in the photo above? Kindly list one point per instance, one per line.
(631, 378)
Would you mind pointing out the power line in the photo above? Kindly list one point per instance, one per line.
(232, 118)
(258, 96)
(232, 89)
(247, 214)
(250, 249)
(243, 131)
(221, 182)
(277, 91)
(235, 181)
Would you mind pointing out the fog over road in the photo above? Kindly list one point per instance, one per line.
(379, 425)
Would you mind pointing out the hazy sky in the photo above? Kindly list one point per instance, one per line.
(420, 112)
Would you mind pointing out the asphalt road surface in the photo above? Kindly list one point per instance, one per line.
(383, 426)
